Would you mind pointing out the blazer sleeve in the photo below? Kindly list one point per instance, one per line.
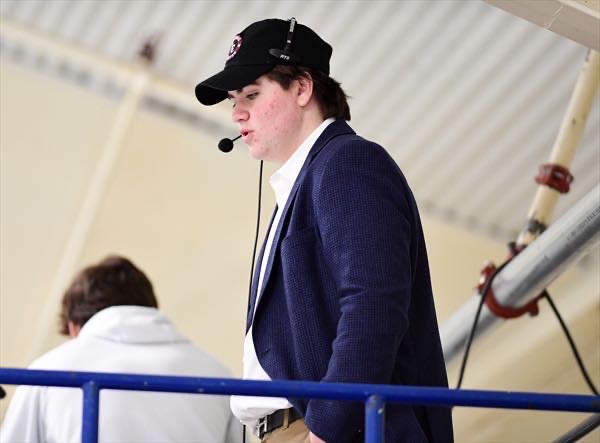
(364, 220)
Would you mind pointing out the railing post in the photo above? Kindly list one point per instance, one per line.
(91, 403)
(374, 419)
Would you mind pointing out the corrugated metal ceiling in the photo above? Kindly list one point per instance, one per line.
(467, 98)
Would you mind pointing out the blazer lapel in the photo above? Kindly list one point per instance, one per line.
(256, 276)
(338, 127)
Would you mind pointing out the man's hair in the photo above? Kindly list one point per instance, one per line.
(115, 281)
(329, 95)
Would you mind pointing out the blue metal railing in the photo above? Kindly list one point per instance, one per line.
(374, 396)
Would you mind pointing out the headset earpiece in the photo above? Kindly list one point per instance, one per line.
(285, 53)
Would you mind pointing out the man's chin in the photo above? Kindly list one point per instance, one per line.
(256, 153)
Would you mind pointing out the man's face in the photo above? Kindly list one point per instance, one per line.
(269, 118)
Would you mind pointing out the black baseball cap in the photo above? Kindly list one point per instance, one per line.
(259, 48)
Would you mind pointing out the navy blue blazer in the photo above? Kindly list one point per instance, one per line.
(346, 295)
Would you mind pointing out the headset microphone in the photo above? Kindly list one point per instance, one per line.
(226, 144)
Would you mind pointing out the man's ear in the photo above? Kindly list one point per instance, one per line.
(74, 329)
(305, 89)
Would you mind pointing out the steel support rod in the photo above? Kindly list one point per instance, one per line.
(39, 42)
(565, 145)
(139, 78)
(409, 395)
(91, 403)
(374, 420)
(571, 237)
(581, 430)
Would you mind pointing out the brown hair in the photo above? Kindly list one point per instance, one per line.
(330, 96)
(115, 281)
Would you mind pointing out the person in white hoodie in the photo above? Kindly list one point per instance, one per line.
(111, 313)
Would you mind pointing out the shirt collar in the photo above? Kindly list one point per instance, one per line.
(283, 179)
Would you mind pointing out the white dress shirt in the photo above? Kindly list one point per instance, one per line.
(249, 409)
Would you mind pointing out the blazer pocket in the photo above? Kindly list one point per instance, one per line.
(298, 238)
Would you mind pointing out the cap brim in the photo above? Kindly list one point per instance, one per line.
(215, 89)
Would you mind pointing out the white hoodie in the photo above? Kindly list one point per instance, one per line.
(128, 339)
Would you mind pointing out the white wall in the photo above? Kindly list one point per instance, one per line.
(185, 213)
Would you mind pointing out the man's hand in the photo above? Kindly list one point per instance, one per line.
(312, 438)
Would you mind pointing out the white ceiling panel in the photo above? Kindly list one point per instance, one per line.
(466, 97)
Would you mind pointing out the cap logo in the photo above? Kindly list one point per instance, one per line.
(235, 47)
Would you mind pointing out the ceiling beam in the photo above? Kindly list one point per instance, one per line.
(577, 20)
(102, 66)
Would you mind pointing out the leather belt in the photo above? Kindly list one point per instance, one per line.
(276, 420)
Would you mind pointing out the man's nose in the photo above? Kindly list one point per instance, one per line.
(239, 115)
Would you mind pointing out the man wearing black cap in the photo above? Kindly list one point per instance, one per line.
(342, 291)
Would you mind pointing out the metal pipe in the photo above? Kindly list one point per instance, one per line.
(139, 78)
(374, 419)
(409, 395)
(91, 408)
(581, 430)
(567, 240)
(103, 66)
(565, 145)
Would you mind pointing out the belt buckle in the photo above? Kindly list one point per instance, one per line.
(261, 427)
